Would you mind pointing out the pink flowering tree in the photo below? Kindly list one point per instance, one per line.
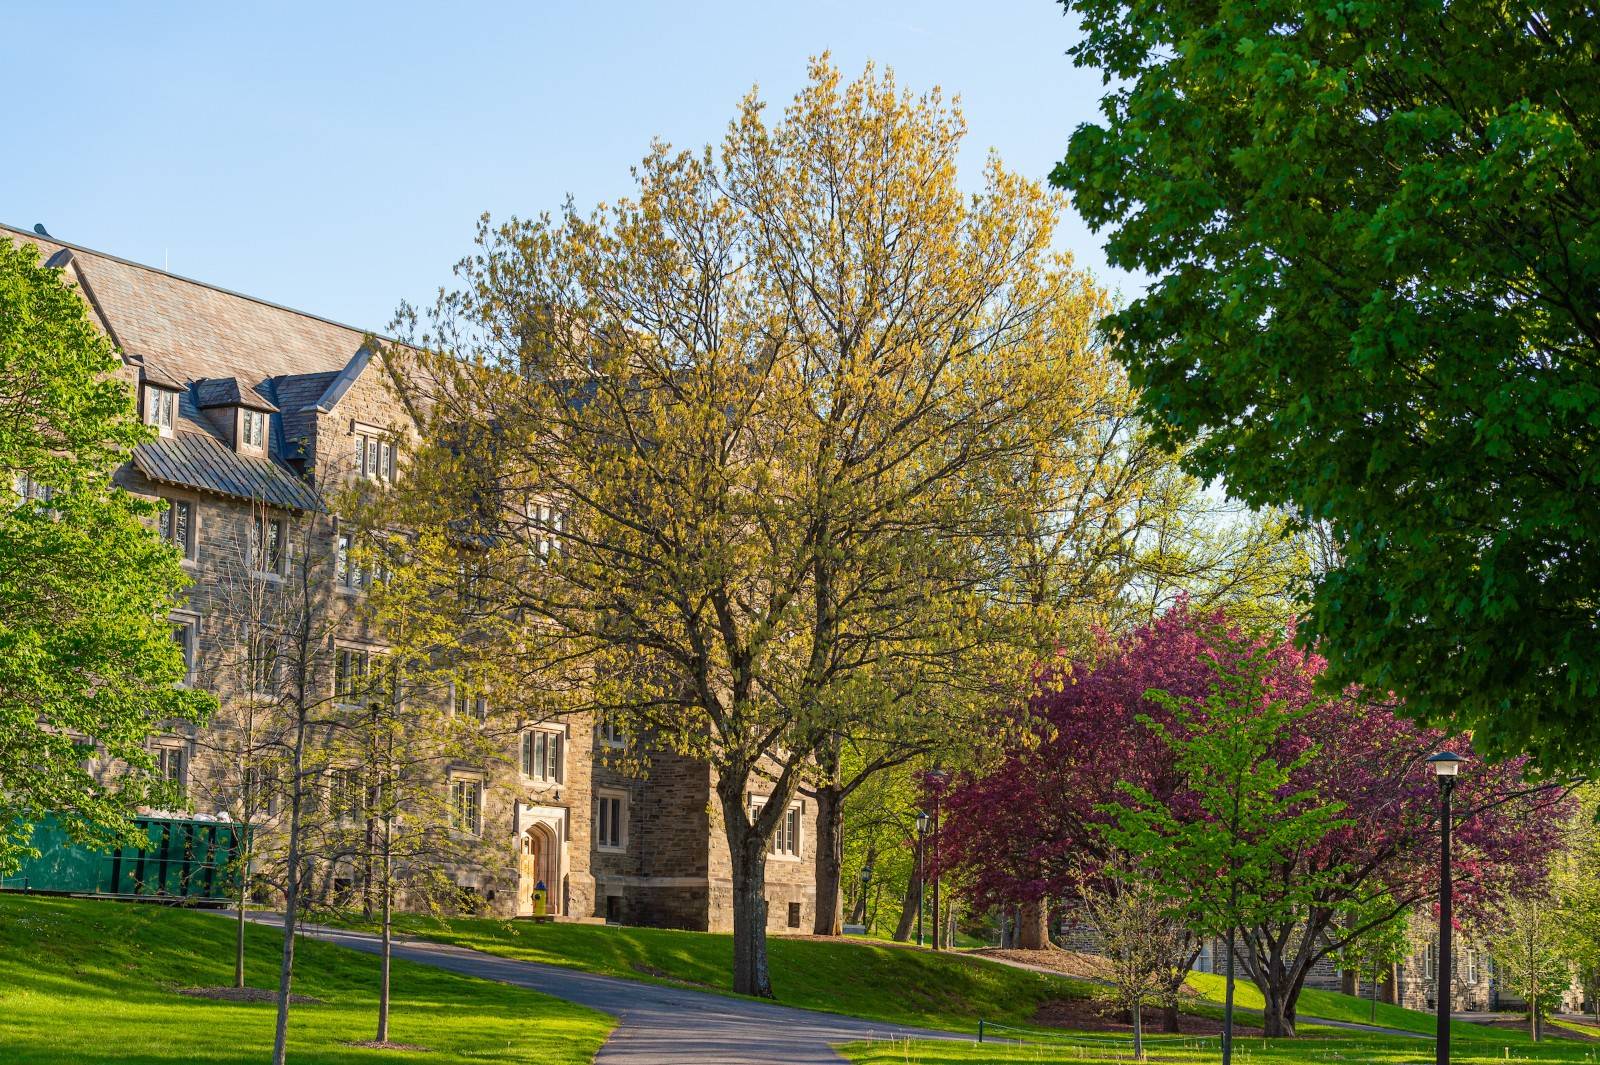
(1025, 830)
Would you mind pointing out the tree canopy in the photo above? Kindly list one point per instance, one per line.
(1375, 232)
(88, 666)
(711, 461)
(1111, 731)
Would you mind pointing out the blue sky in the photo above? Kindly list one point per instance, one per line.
(335, 156)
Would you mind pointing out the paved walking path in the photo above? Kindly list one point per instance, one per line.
(656, 1025)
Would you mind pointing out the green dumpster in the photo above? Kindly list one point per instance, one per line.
(179, 859)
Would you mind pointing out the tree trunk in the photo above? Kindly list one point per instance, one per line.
(1033, 925)
(1390, 985)
(386, 890)
(1227, 1000)
(1138, 1030)
(1169, 1018)
(244, 899)
(747, 852)
(1277, 1019)
(291, 894)
(1349, 982)
(908, 908)
(830, 859)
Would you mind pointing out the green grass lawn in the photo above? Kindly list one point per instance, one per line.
(1178, 1050)
(86, 982)
(861, 978)
(1333, 1006)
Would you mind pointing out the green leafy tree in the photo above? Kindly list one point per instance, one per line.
(1220, 869)
(88, 666)
(1375, 228)
(717, 451)
(1575, 879)
(1372, 954)
(1525, 939)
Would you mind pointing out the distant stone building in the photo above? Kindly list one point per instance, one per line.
(249, 397)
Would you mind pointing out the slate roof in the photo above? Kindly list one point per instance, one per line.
(216, 348)
(228, 392)
(195, 460)
(192, 330)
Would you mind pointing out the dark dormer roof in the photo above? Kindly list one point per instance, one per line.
(155, 375)
(228, 392)
(194, 460)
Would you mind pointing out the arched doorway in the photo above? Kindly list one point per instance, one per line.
(539, 861)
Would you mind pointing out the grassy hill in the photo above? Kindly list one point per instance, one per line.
(85, 983)
(864, 978)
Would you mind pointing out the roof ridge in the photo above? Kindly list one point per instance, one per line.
(33, 235)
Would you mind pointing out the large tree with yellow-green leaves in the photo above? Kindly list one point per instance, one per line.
(88, 667)
(719, 460)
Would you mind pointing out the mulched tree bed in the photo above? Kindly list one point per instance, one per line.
(244, 994)
(1087, 1015)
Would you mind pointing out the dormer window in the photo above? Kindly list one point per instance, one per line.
(160, 408)
(374, 456)
(252, 427)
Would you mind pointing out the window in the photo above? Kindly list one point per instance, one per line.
(546, 523)
(794, 915)
(183, 634)
(30, 490)
(263, 664)
(345, 798)
(610, 824)
(253, 427)
(350, 669)
(541, 756)
(785, 842)
(160, 408)
(170, 765)
(176, 522)
(374, 457)
(259, 792)
(465, 701)
(266, 547)
(347, 571)
(611, 734)
(466, 805)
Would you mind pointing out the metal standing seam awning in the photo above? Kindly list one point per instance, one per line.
(193, 460)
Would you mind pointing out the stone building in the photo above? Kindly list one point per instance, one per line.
(252, 400)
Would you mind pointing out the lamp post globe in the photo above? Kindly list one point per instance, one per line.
(1445, 766)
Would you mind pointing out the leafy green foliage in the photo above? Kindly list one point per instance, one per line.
(88, 665)
(1376, 231)
(1219, 864)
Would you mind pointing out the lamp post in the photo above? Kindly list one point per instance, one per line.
(922, 834)
(1445, 766)
(866, 885)
(936, 778)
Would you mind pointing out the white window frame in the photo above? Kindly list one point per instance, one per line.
(365, 656)
(161, 408)
(614, 802)
(253, 428)
(779, 847)
(378, 452)
(528, 763)
(474, 782)
(164, 525)
(611, 734)
(190, 625)
(274, 567)
(167, 751)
